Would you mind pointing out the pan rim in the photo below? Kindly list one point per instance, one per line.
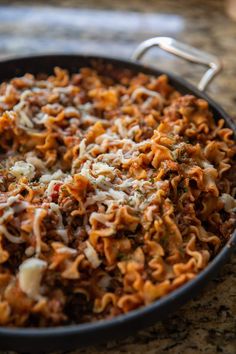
(204, 275)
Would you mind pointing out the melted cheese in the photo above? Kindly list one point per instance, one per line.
(30, 276)
(229, 202)
(206, 164)
(57, 175)
(9, 209)
(65, 249)
(36, 162)
(22, 168)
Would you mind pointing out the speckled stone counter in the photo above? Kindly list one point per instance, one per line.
(207, 324)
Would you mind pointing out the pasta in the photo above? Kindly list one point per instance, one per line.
(115, 190)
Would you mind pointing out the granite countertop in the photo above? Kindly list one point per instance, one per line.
(206, 324)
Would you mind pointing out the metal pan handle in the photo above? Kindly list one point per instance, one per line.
(183, 51)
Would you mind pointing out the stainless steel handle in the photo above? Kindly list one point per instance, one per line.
(183, 51)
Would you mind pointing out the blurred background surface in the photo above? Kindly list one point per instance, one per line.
(114, 28)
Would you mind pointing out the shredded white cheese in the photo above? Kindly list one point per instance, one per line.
(6, 214)
(100, 217)
(50, 187)
(10, 209)
(41, 118)
(143, 90)
(92, 255)
(36, 229)
(65, 249)
(10, 200)
(82, 148)
(24, 120)
(61, 231)
(101, 168)
(10, 237)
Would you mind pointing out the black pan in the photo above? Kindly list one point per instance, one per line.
(69, 337)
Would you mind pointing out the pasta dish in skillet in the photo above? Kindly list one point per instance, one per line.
(115, 190)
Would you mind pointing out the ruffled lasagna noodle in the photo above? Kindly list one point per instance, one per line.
(115, 190)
